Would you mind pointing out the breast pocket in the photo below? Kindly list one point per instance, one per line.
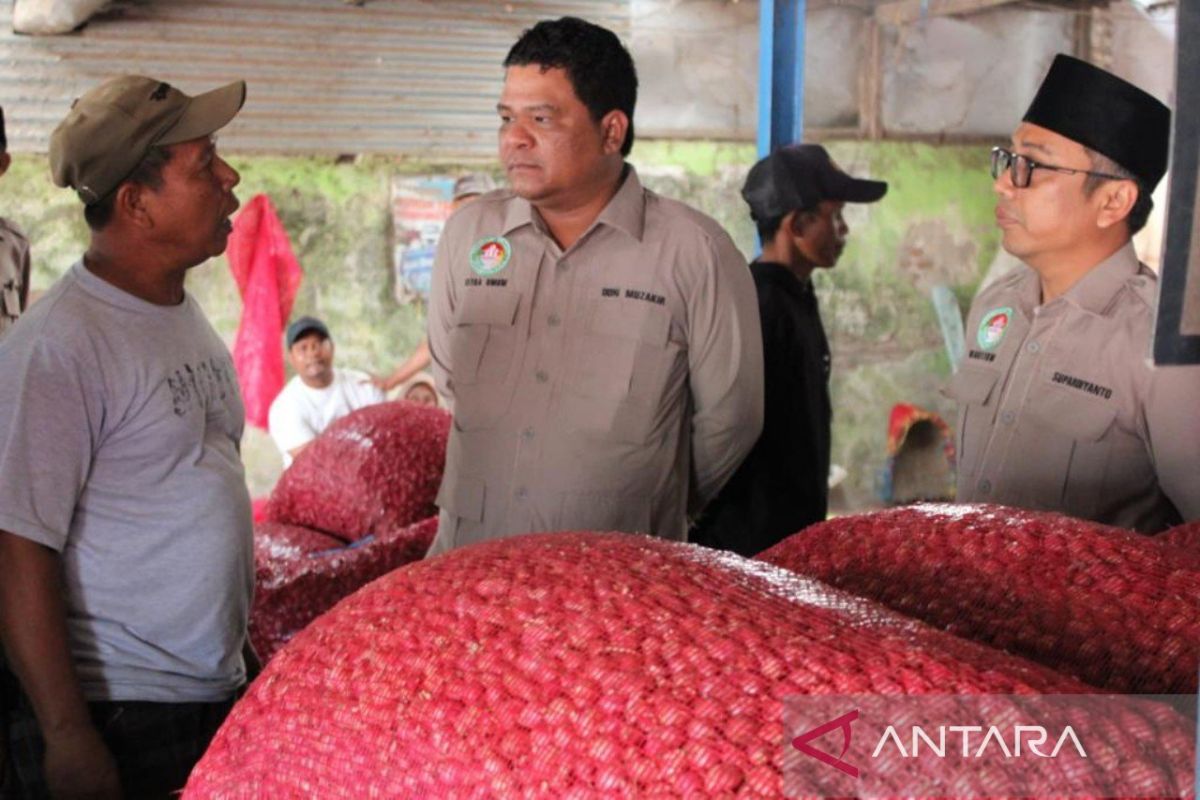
(975, 391)
(619, 371)
(482, 342)
(1074, 450)
(483, 345)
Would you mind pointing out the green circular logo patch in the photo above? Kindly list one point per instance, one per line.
(490, 255)
(991, 328)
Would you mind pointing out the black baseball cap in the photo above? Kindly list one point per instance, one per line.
(305, 325)
(798, 177)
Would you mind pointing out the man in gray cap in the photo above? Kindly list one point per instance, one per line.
(126, 554)
(796, 196)
(1059, 406)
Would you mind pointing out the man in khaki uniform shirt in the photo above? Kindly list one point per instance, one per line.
(1059, 405)
(601, 343)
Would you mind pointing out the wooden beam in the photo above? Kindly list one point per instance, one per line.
(870, 82)
(902, 12)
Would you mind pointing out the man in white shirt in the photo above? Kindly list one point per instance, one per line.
(319, 394)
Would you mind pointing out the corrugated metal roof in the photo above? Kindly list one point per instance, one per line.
(392, 76)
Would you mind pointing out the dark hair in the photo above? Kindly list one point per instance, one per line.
(767, 228)
(148, 172)
(1140, 213)
(3, 134)
(599, 67)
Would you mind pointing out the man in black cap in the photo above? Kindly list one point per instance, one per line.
(1059, 406)
(796, 196)
(319, 394)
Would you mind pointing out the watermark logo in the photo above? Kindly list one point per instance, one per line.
(802, 743)
(982, 746)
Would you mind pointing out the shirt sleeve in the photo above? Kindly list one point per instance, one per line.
(287, 426)
(442, 299)
(49, 427)
(1174, 431)
(725, 361)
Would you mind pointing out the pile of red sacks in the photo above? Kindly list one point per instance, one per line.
(1115, 609)
(576, 665)
(357, 503)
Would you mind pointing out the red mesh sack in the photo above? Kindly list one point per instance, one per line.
(1107, 605)
(301, 573)
(374, 470)
(1185, 537)
(576, 665)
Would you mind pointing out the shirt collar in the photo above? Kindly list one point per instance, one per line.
(626, 211)
(1095, 291)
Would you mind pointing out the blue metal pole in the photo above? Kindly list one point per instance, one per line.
(780, 73)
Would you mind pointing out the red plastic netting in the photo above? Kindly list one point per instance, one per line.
(301, 573)
(1185, 536)
(371, 471)
(1104, 604)
(577, 665)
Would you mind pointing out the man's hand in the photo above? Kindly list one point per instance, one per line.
(78, 766)
(382, 384)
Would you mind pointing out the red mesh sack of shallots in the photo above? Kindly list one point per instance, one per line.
(579, 665)
(374, 470)
(301, 573)
(1107, 605)
(1186, 537)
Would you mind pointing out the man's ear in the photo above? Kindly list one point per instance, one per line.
(1116, 200)
(798, 222)
(613, 127)
(132, 204)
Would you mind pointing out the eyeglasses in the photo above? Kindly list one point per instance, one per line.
(1020, 168)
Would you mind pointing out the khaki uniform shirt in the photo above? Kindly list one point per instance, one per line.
(14, 273)
(600, 388)
(1061, 409)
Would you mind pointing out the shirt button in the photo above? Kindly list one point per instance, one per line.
(527, 434)
(522, 493)
(553, 320)
(562, 264)
(985, 486)
(542, 376)
(1033, 347)
(1008, 417)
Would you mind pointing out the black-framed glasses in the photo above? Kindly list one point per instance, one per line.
(1020, 168)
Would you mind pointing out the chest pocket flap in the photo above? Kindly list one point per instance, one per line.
(1075, 414)
(488, 307)
(972, 385)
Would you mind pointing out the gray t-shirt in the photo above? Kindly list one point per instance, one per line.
(119, 429)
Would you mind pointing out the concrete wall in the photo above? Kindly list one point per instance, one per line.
(967, 76)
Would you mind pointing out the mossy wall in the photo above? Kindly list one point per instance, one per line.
(933, 227)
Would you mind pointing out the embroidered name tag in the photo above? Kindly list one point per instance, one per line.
(634, 294)
(1080, 383)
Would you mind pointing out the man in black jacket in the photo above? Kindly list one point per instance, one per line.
(796, 197)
